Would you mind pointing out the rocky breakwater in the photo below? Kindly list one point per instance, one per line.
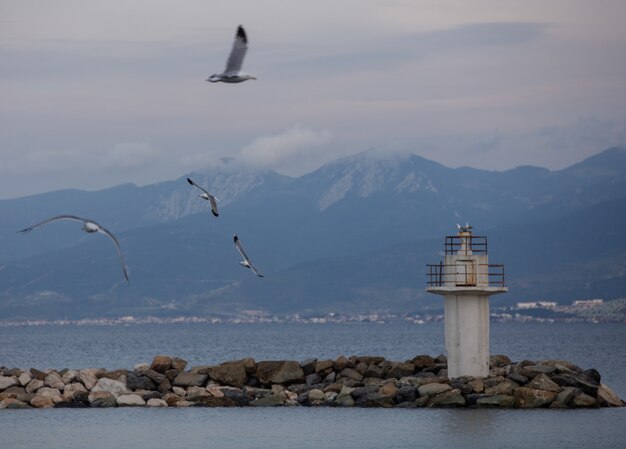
(357, 381)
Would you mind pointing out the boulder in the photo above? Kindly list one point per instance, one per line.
(607, 397)
(135, 382)
(42, 402)
(496, 361)
(399, 370)
(229, 373)
(190, 379)
(6, 382)
(130, 400)
(517, 378)
(477, 385)
(584, 400)
(587, 385)
(11, 403)
(88, 377)
(374, 371)
(240, 398)
(316, 395)
(33, 385)
(308, 366)
(505, 388)
(171, 399)
(543, 382)
(406, 393)
(533, 398)
(312, 379)
(41, 375)
(53, 380)
(51, 393)
(102, 399)
(197, 393)
(165, 386)
(388, 390)
(500, 400)
(423, 361)
(565, 397)
(375, 400)
(69, 376)
(351, 374)
(324, 367)
(272, 400)
(115, 387)
(534, 370)
(433, 389)
(224, 401)
(279, 372)
(342, 363)
(179, 364)
(451, 398)
(70, 390)
(152, 374)
(156, 403)
(24, 379)
(161, 363)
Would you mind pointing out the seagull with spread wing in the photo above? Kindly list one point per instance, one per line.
(246, 260)
(207, 196)
(89, 226)
(233, 73)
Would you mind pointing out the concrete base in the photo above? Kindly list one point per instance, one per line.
(467, 335)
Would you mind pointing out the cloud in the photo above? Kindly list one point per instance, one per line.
(131, 155)
(279, 150)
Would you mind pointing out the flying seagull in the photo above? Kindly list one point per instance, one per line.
(233, 73)
(246, 260)
(89, 226)
(207, 196)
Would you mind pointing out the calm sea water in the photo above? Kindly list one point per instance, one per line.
(598, 346)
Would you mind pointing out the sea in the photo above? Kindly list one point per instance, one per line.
(600, 346)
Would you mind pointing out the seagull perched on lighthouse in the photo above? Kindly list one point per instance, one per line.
(246, 260)
(207, 196)
(232, 72)
(90, 227)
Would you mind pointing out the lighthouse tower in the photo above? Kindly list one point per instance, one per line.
(466, 280)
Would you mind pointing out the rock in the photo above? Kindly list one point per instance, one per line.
(388, 390)
(517, 378)
(69, 376)
(42, 402)
(324, 367)
(423, 361)
(156, 403)
(330, 378)
(399, 370)
(361, 368)
(432, 389)
(34, 385)
(161, 363)
(588, 386)
(543, 382)
(229, 373)
(24, 379)
(41, 375)
(215, 392)
(165, 386)
(141, 367)
(102, 399)
(505, 388)
(351, 374)
(344, 401)
(6, 382)
(451, 398)
(88, 377)
(312, 379)
(11, 403)
(130, 400)
(374, 371)
(316, 395)
(171, 399)
(308, 366)
(51, 393)
(533, 370)
(375, 400)
(279, 372)
(70, 390)
(406, 394)
(584, 400)
(607, 397)
(179, 364)
(342, 363)
(477, 385)
(499, 360)
(240, 398)
(532, 398)
(500, 400)
(272, 400)
(180, 391)
(152, 374)
(118, 374)
(79, 400)
(135, 382)
(197, 393)
(183, 403)
(115, 387)
(190, 380)
(593, 375)
(147, 395)
(53, 380)
(224, 401)
(171, 374)
(565, 397)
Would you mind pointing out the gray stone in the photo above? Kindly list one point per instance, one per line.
(6, 382)
(374, 371)
(505, 388)
(351, 374)
(324, 367)
(152, 374)
(89, 377)
(130, 400)
(406, 394)
(316, 395)
(272, 400)
(34, 385)
(517, 378)
(313, 379)
(179, 364)
(539, 369)
(229, 373)
(70, 390)
(190, 380)
(500, 400)
(532, 398)
(180, 391)
(24, 379)
(135, 382)
(432, 389)
(240, 398)
(279, 372)
(197, 393)
(53, 380)
(154, 402)
(115, 387)
(375, 400)
(165, 386)
(588, 386)
(308, 366)
(102, 399)
(499, 360)
(41, 375)
(565, 397)
(584, 400)
(543, 382)
(69, 376)
(451, 398)
(607, 397)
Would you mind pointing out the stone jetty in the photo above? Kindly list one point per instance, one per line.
(357, 381)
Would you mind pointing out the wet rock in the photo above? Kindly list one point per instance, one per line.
(406, 394)
(42, 402)
(223, 401)
(505, 388)
(543, 382)
(161, 363)
(229, 373)
(433, 389)
(607, 397)
(375, 400)
(102, 399)
(156, 403)
(79, 400)
(451, 398)
(147, 395)
(584, 400)
(581, 381)
(273, 400)
(532, 398)
(165, 386)
(190, 380)
(565, 397)
(240, 398)
(6, 382)
(130, 400)
(11, 403)
(593, 375)
(501, 400)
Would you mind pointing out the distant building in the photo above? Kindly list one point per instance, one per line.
(537, 305)
(527, 305)
(588, 303)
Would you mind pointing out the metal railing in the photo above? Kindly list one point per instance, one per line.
(440, 276)
(475, 243)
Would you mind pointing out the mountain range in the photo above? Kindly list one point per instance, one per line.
(353, 236)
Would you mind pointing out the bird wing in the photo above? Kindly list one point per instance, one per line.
(118, 249)
(190, 181)
(245, 256)
(240, 46)
(212, 199)
(49, 220)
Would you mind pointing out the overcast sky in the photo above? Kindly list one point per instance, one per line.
(96, 93)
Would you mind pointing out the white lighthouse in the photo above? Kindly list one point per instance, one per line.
(466, 280)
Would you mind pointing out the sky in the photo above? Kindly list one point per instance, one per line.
(95, 94)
